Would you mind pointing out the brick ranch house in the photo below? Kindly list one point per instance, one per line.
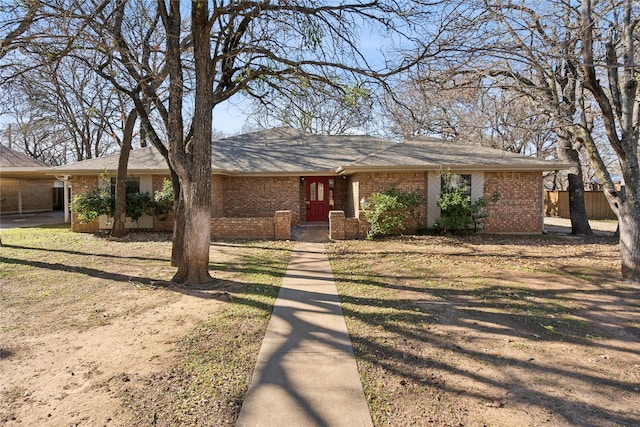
(264, 183)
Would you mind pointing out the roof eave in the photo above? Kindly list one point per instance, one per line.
(297, 173)
(23, 172)
(347, 170)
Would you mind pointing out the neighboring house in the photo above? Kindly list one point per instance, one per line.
(24, 188)
(265, 182)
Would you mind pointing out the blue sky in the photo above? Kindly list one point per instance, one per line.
(228, 119)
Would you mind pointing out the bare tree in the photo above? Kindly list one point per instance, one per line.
(319, 109)
(16, 19)
(565, 57)
(500, 119)
(532, 51)
(35, 132)
(68, 98)
(608, 48)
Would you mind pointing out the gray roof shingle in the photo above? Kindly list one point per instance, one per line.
(288, 151)
(13, 159)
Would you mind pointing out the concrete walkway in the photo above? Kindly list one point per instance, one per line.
(555, 225)
(306, 371)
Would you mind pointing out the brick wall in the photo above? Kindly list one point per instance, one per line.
(337, 225)
(166, 224)
(301, 217)
(369, 183)
(37, 195)
(519, 209)
(243, 228)
(260, 196)
(340, 194)
(217, 196)
(381, 182)
(352, 228)
(342, 227)
(82, 185)
(282, 225)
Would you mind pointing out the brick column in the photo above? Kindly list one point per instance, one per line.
(363, 226)
(82, 185)
(336, 225)
(282, 224)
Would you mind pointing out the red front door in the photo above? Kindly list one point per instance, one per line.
(317, 198)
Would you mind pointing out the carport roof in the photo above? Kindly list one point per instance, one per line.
(14, 164)
(285, 151)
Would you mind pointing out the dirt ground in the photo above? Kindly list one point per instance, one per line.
(58, 367)
(64, 378)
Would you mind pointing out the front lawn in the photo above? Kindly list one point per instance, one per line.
(492, 330)
(94, 334)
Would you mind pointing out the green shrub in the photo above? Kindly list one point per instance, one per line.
(387, 212)
(163, 199)
(138, 204)
(459, 214)
(89, 206)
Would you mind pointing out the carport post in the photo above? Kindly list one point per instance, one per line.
(65, 197)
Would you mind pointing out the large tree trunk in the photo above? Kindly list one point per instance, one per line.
(629, 214)
(177, 248)
(120, 215)
(629, 225)
(194, 161)
(577, 211)
(619, 110)
(193, 265)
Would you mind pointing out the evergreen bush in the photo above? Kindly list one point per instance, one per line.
(387, 212)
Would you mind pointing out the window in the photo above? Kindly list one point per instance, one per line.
(312, 192)
(449, 182)
(133, 185)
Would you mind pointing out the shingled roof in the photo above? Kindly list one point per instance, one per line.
(13, 159)
(285, 151)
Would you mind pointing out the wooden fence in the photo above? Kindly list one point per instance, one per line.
(556, 203)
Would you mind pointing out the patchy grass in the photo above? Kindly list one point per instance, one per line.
(492, 330)
(95, 333)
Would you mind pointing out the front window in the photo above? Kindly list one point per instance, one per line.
(452, 181)
(133, 185)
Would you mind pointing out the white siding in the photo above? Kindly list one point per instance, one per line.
(433, 190)
(477, 185)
